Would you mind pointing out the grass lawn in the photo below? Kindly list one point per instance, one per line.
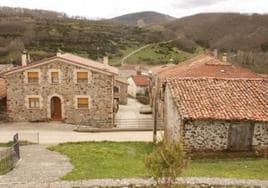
(126, 159)
(106, 159)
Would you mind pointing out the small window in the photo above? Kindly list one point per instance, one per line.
(82, 77)
(82, 103)
(116, 89)
(34, 102)
(33, 77)
(55, 77)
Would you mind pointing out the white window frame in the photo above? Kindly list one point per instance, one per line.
(50, 77)
(27, 101)
(81, 70)
(81, 96)
(32, 70)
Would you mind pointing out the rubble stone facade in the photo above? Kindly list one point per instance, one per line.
(99, 91)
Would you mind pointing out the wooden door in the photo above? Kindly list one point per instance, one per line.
(240, 136)
(56, 108)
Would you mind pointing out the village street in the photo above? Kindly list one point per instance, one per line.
(52, 133)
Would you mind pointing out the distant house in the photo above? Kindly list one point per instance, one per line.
(138, 84)
(65, 88)
(211, 105)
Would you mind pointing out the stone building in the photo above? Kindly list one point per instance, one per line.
(121, 90)
(211, 105)
(65, 88)
(2, 100)
(212, 114)
(138, 85)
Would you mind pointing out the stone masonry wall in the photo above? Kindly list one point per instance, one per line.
(205, 135)
(260, 136)
(122, 92)
(99, 89)
(171, 119)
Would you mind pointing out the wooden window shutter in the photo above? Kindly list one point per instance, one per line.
(82, 102)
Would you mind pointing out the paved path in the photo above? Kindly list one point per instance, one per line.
(54, 132)
(129, 116)
(37, 164)
(139, 182)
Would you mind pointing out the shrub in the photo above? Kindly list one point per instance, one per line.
(167, 162)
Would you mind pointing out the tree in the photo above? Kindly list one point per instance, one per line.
(167, 162)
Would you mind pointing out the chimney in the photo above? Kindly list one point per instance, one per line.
(224, 57)
(215, 53)
(105, 60)
(58, 53)
(23, 58)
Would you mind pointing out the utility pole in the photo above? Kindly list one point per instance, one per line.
(155, 111)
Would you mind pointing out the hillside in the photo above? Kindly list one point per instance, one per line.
(42, 33)
(224, 31)
(143, 19)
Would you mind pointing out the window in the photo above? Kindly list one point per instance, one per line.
(82, 77)
(34, 102)
(33, 77)
(82, 103)
(116, 89)
(55, 77)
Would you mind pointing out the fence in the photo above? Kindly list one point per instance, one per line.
(9, 156)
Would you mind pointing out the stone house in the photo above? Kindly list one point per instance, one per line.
(201, 66)
(121, 90)
(211, 105)
(214, 114)
(138, 85)
(65, 88)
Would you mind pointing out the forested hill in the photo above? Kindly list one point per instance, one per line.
(44, 32)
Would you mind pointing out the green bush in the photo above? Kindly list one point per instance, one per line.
(166, 162)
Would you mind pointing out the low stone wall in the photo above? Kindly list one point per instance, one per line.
(205, 135)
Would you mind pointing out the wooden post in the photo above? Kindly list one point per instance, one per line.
(155, 111)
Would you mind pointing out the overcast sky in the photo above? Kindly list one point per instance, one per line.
(112, 8)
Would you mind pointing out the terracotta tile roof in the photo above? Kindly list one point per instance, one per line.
(141, 80)
(71, 58)
(207, 66)
(221, 99)
(89, 62)
(161, 68)
(2, 88)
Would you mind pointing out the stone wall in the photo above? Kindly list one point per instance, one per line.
(205, 135)
(99, 89)
(171, 119)
(3, 115)
(260, 136)
(122, 92)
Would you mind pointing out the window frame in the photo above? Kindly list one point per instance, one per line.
(27, 102)
(26, 76)
(77, 97)
(75, 76)
(50, 71)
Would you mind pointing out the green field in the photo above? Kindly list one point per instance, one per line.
(158, 54)
(126, 159)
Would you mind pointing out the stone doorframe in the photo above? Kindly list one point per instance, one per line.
(49, 105)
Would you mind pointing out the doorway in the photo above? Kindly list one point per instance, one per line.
(56, 109)
(240, 136)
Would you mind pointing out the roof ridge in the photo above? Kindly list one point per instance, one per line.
(216, 78)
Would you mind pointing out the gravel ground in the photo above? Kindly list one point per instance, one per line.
(138, 182)
(37, 164)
